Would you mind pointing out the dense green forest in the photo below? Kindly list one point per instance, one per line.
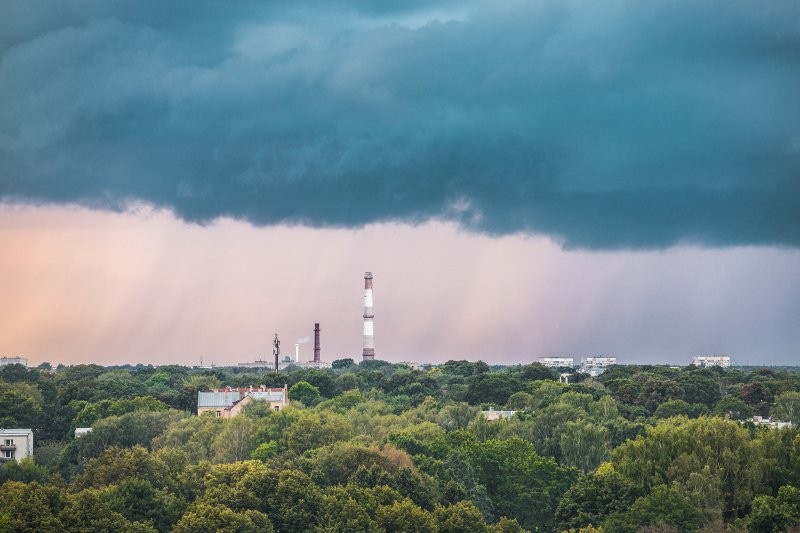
(382, 447)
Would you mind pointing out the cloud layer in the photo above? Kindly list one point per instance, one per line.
(604, 124)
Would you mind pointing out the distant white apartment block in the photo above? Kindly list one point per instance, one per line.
(557, 362)
(14, 361)
(712, 360)
(599, 362)
(594, 366)
(15, 444)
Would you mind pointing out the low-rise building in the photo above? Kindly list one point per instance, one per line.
(767, 422)
(228, 402)
(557, 362)
(723, 361)
(80, 432)
(491, 414)
(16, 444)
(14, 361)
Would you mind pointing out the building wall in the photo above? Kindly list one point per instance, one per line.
(14, 361)
(16, 445)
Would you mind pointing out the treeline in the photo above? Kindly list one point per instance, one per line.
(381, 447)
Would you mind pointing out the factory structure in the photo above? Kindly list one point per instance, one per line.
(369, 333)
(283, 362)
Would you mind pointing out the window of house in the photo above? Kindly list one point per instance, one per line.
(219, 413)
(277, 408)
(9, 454)
(9, 442)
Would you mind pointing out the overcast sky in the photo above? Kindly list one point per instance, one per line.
(524, 178)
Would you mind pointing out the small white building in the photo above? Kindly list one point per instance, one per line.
(492, 415)
(80, 432)
(557, 362)
(14, 361)
(764, 421)
(712, 360)
(15, 444)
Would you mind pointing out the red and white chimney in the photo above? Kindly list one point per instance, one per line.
(369, 339)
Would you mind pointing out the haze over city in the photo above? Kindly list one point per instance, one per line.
(524, 179)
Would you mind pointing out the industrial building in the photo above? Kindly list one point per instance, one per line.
(228, 402)
(557, 362)
(15, 444)
(712, 360)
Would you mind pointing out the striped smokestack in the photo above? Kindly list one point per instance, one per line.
(369, 341)
(316, 343)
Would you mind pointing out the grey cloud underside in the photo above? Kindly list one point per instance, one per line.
(604, 124)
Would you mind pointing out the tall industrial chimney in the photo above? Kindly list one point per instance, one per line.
(316, 343)
(369, 340)
(297, 353)
(276, 351)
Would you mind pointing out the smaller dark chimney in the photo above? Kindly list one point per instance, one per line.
(316, 343)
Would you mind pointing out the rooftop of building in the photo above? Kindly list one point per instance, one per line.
(16, 431)
(223, 398)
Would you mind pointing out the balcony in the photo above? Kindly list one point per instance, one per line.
(8, 447)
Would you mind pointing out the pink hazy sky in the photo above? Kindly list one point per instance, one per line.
(82, 286)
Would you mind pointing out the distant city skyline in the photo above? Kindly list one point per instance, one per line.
(83, 286)
(524, 179)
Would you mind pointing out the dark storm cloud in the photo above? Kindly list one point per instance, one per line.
(604, 124)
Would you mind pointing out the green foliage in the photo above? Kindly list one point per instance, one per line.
(491, 388)
(86, 511)
(138, 501)
(264, 451)
(584, 445)
(593, 498)
(672, 408)
(733, 408)
(31, 507)
(776, 514)
(461, 517)
(342, 363)
(384, 447)
(677, 448)
(787, 407)
(405, 517)
(305, 393)
(203, 517)
(662, 506)
(521, 483)
(26, 471)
